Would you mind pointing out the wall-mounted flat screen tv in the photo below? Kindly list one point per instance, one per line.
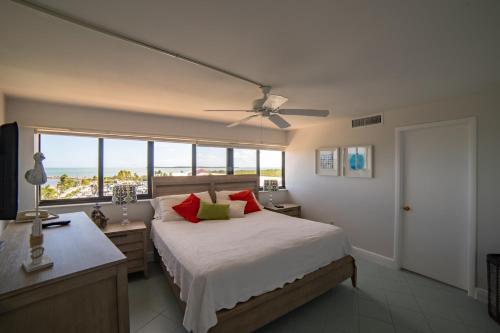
(9, 144)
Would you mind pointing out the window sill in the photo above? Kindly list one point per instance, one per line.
(86, 204)
(109, 203)
(280, 190)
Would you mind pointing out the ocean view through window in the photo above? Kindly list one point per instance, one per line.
(210, 161)
(71, 164)
(125, 162)
(271, 166)
(245, 161)
(85, 169)
(173, 159)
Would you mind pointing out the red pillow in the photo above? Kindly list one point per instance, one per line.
(188, 209)
(247, 196)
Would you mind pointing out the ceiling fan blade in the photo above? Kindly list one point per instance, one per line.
(278, 121)
(274, 101)
(244, 120)
(229, 110)
(304, 112)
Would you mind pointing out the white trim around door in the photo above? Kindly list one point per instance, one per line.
(472, 225)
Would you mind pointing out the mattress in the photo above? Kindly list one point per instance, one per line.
(217, 264)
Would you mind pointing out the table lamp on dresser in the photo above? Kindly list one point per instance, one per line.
(124, 194)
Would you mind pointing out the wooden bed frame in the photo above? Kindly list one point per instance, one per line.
(259, 310)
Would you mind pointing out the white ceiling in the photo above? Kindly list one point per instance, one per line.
(352, 57)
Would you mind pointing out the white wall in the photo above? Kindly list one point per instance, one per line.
(37, 113)
(365, 207)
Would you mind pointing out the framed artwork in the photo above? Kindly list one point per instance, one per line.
(358, 161)
(327, 161)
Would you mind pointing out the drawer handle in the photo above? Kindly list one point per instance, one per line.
(118, 236)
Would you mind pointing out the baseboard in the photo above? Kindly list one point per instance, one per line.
(481, 295)
(374, 257)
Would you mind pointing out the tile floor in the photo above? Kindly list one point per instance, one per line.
(386, 301)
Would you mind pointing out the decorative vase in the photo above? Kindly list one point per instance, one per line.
(98, 217)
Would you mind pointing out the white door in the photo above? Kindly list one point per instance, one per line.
(436, 191)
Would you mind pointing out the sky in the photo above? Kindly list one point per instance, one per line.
(79, 151)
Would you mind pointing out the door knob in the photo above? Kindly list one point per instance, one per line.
(406, 208)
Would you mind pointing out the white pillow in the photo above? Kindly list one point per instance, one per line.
(236, 207)
(164, 204)
(224, 196)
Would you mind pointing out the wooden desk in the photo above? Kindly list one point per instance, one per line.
(85, 291)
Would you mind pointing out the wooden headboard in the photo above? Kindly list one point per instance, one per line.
(168, 185)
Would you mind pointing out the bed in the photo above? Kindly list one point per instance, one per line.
(238, 275)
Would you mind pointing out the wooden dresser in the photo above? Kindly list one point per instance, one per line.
(85, 291)
(131, 239)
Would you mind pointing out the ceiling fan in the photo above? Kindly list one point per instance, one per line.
(269, 107)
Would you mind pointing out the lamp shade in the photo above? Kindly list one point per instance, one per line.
(271, 185)
(124, 194)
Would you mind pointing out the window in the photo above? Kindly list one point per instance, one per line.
(125, 162)
(271, 164)
(85, 169)
(211, 161)
(71, 164)
(173, 159)
(245, 161)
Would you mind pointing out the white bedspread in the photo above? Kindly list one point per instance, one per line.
(217, 264)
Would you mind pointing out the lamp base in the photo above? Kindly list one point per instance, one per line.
(29, 266)
(125, 220)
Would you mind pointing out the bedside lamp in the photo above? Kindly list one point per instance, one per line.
(271, 185)
(123, 195)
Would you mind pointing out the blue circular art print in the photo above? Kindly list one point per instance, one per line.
(357, 162)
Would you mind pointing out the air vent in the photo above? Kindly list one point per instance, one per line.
(367, 121)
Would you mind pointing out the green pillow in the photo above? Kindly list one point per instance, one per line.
(210, 211)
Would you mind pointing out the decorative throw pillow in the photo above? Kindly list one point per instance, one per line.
(163, 205)
(236, 208)
(224, 195)
(209, 211)
(246, 195)
(189, 208)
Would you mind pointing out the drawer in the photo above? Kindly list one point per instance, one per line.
(136, 254)
(136, 263)
(131, 247)
(293, 213)
(126, 238)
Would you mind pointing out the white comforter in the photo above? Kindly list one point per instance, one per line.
(217, 264)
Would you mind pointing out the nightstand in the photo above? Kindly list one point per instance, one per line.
(131, 240)
(288, 209)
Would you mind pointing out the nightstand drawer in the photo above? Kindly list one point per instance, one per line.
(135, 254)
(131, 247)
(126, 238)
(131, 240)
(291, 212)
(133, 264)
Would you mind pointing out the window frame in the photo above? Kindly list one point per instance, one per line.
(150, 172)
(283, 185)
(100, 178)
